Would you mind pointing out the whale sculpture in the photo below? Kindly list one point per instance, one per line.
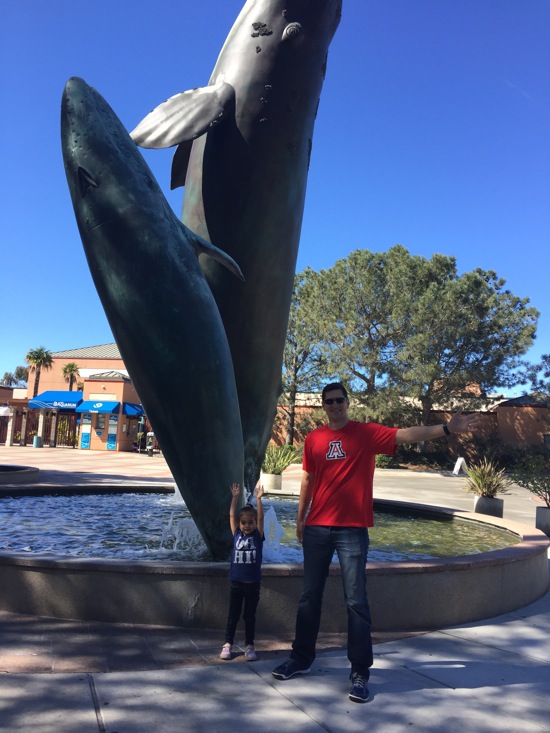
(244, 144)
(144, 264)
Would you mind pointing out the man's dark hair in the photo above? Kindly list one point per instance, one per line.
(334, 385)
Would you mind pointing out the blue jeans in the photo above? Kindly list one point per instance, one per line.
(351, 545)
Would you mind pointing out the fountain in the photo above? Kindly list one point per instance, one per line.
(440, 591)
(233, 360)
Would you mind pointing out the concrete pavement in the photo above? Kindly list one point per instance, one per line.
(492, 675)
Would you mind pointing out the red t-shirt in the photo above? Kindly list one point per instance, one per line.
(342, 462)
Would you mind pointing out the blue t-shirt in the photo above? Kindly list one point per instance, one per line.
(246, 557)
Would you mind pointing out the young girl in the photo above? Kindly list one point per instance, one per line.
(245, 572)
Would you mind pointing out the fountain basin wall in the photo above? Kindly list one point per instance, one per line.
(403, 595)
(10, 474)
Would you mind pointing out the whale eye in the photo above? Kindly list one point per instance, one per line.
(293, 30)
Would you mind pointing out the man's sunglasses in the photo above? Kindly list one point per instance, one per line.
(338, 400)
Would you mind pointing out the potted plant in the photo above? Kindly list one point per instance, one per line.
(534, 475)
(485, 479)
(277, 458)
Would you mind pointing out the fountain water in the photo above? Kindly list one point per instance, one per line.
(183, 534)
(159, 528)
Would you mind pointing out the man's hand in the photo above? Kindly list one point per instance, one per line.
(460, 423)
(300, 530)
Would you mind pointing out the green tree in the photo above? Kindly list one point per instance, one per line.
(539, 375)
(18, 378)
(22, 375)
(38, 359)
(303, 363)
(400, 326)
(362, 305)
(70, 373)
(9, 380)
(465, 332)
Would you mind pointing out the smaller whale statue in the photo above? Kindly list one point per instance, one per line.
(166, 323)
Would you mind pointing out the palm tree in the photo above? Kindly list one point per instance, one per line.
(21, 374)
(38, 359)
(9, 380)
(70, 373)
(16, 378)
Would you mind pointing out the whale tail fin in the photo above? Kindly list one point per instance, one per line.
(201, 246)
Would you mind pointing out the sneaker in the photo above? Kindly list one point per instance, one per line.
(226, 652)
(359, 691)
(250, 653)
(289, 669)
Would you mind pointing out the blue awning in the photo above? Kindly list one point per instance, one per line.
(56, 400)
(128, 408)
(97, 406)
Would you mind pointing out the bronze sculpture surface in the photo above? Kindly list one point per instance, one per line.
(244, 147)
(209, 384)
(144, 264)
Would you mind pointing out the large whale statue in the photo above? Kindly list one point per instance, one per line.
(164, 318)
(244, 144)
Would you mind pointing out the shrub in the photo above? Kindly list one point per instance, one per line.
(439, 460)
(278, 457)
(485, 478)
(534, 475)
(382, 461)
(505, 455)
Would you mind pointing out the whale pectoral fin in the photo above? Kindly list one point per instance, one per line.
(185, 116)
(180, 161)
(201, 246)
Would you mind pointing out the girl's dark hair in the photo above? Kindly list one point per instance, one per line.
(248, 509)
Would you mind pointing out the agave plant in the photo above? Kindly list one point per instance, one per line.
(278, 457)
(485, 478)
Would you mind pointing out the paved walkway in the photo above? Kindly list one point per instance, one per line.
(59, 676)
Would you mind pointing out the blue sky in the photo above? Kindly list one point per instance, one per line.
(432, 133)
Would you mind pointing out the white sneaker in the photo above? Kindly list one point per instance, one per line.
(250, 654)
(226, 652)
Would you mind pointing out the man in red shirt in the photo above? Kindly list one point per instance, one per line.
(334, 513)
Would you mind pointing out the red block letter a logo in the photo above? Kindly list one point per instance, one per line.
(335, 450)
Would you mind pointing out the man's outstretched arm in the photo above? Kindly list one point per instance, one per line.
(459, 423)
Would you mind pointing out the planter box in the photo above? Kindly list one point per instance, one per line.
(542, 520)
(488, 505)
(271, 482)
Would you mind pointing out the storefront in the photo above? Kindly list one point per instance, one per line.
(108, 425)
(105, 415)
(57, 424)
